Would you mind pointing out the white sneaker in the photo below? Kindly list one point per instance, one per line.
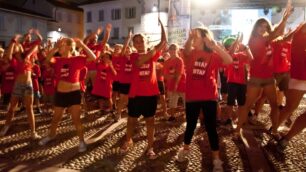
(217, 165)
(45, 140)
(4, 130)
(82, 146)
(182, 155)
(35, 136)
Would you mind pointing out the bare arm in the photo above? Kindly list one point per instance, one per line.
(37, 33)
(282, 24)
(126, 43)
(106, 37)
(188, 44)
(158, 48)
(90, 55)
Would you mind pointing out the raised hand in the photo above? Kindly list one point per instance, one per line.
(108, 27)
(99, 30)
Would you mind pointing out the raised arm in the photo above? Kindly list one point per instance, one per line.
(37, 33)
(282, 24)
(158, 48)
(108, 29)
(188, 44)
(90, 55)
(210, 43)
(126, 43)
(10, 50)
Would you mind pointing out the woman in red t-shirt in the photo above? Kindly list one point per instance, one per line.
(48, 88)
(23, 87)
(261, 73)
(102, 87)
(68, 93)
(202, 58)
(175, 76)
(297, 86)
(124, 76)
(144, 89)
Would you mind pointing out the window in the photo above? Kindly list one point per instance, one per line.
(88, 16)
(2, 22)
(69, 18)
(130, 12)
(59, 16)
(116, 14)
(18, 25)
(116, 33)
(88, 31)
(34, 24)
(101, 15)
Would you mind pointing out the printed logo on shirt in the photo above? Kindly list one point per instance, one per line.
(103, 74)
(117, 66)
(9, 76)
(171, 70)
(144, 72)
(128, 67)
(269, 50)
(65, 71)
(284, 52)
(199, 69)
(236, 63)
(48, 81)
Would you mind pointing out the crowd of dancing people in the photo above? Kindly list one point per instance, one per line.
(53, 77)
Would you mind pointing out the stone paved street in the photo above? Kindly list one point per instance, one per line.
(19, 153)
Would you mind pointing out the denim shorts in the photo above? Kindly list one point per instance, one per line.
(22, 89)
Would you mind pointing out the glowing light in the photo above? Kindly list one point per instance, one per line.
(207, 3)
(154, 8)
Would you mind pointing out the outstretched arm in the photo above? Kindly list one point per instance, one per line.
(158, 48)
(126, 43)
(282, 24)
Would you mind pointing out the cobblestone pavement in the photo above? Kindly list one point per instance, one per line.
(19, 153)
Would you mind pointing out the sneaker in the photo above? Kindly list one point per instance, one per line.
(82, 146)
(282, 144)
(4, 130)
(35, 136)
(217, 165)
(45, 140)
(182, 155)
(151, 154)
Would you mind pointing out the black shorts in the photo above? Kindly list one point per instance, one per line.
(100, 97)
(161, 87)
(6, 98)
(236, 91)
(67, 99)
(116, 86)
(124, 88)
(142, 105)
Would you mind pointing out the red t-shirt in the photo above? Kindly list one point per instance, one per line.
(68, 69)
(23, 66)
(236, 72)
(27, 46)
(201, 72)
(49, 81)
(117, 62)
(35, 76)
(126, 70)
(144, 82)
(262, 64)
(281, 56)
(173, 67)
(298, 56)
(8, 78)
(96, 49)
(103, 82)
